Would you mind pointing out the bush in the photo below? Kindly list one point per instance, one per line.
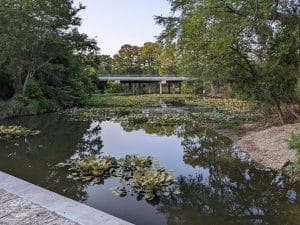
(193, 87)
(33, 98)
(113, 87)
(294, 143)
(298, 89)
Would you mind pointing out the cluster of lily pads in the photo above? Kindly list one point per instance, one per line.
(136, 118)
(10, 132)
(101, 114)
(228, 104)
(137, 175)
(156, 100)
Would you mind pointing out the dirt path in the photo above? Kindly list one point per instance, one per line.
(269, 147)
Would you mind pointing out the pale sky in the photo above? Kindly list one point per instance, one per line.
(117, 22)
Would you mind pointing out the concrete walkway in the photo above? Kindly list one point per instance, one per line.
(24, 203)
(15, 210)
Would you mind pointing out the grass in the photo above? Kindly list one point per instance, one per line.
(294, 143)
(230, 124)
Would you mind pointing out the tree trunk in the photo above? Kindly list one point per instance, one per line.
(27, 79)
(295, 114)
(278, 109)
(18, 84)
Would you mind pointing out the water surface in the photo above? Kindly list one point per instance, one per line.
(219, 184)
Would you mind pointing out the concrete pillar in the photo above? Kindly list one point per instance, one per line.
(130, 87)
(138, 88)
(133, 88)
(160, 88)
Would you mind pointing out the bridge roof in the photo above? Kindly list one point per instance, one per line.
(136, 78)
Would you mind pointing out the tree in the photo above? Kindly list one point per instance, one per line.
(168, 60)
(40, 42)
(127, 61)
(253, 44)
(150, 53)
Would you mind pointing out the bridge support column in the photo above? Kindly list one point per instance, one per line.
(161, 86)
(179, 87)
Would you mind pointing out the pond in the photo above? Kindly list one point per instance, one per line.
(219, 184)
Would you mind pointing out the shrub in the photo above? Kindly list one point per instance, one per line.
(113, 87)
(294, 143)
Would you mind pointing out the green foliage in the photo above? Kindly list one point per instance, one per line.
(8, 132)
(42, 53)
(127, 61)
(168, 61)
(140, 173)
(294, 143)
(298, 89)
(240, 42)
(147, 60)
(192, 87)
(150, 53)
(34, 96)
(229, 124)
(97, 64)
(113, 87)
(99, 100)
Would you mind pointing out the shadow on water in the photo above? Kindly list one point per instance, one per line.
(219, 184)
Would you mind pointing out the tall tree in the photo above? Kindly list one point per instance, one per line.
(254, 44)
(168, 61)
(128, 60)
(39, 41)
(150, 53)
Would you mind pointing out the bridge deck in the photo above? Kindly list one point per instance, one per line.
(142, 78)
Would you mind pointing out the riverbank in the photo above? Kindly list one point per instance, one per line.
(14, 108)
(269, 147)
(266, 146)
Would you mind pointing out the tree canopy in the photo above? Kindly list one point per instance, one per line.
(40, 43)
(252, 44)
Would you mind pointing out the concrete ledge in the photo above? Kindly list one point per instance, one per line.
(65, 207)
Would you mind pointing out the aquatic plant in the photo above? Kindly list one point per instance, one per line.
(91, 168)
(137, 119)
(145, 178)
(139, 175)
(16, 132)
(156, 100)
(101, 114)
(152, 182)
(294, 143)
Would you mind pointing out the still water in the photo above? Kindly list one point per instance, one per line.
(218, 182)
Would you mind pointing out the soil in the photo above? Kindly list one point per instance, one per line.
(267, 147)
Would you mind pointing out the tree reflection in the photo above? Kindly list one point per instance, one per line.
(227, 191)
(91, 142)
(34, 158)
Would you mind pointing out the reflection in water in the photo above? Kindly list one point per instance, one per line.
(91, 142)
(219, 184)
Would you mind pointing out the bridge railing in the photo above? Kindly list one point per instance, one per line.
(140, 75)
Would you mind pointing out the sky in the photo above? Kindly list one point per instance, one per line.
(116, 22)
